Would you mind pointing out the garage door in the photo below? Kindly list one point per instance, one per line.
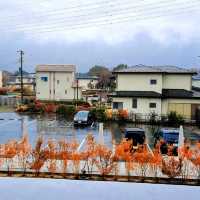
(181, 108)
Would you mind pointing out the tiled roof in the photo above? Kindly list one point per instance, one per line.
(55, 68)
(156, 69)
(180, 94)
(136, 94)
(176, 93)
(166, 93)
(86, 76)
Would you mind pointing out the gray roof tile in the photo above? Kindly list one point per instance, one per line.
(55, 68)
(155, 69)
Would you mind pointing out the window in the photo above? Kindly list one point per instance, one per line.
(58, 81)
(117, 105)
(152, 105)
(65, 91)
(153, 81)
(134, 103)
(44, 78)
(67, 79)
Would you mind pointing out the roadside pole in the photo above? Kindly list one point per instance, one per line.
(21, 75)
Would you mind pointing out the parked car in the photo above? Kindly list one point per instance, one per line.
(169, 137)
(83, 117)
(137, 135)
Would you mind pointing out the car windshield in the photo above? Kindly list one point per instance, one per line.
(82, 114)
(171, 137)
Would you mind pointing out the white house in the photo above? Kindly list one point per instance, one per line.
(56, 82)
(156, 89)
(87, 82)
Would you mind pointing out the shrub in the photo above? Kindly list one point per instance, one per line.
(109, 114)
(99, 114)
(3, 91)
(39, 107)
(171, 167)
(123, 114)
(66, 110)
(175, 119)
(153, 118)
(50, 108)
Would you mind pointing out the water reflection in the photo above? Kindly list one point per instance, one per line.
(13, 126)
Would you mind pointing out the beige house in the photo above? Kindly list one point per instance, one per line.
(56, 82)
(150, 89)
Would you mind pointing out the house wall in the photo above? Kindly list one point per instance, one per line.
(139, 82)
(163, 107)
(142, 105)
(177, 81)
(58, 86)
(181, 106)
(43, 88)
(63, 86)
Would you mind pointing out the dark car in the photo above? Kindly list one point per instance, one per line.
(83, 118)
(170, 137)
(137, 135)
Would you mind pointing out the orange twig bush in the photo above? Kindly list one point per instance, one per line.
(93, 158)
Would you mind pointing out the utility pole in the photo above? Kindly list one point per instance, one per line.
(21, 75)
(77, 86)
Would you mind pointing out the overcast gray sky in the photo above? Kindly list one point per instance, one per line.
(103, 32)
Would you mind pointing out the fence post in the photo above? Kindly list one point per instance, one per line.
(101, 137)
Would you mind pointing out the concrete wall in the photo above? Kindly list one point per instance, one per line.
(139, 82)
(177, 81)
(142, 105)
(58, 86)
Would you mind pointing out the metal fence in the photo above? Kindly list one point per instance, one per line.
(152, 117)
(10, 101)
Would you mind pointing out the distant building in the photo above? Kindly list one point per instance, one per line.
(57, 83)
(196, 81)
(151, 89)
(87, 82)
(28, 81)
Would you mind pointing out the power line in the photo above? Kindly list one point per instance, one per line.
(107, 14)
(105, 8)
(134, 18)
(102, 24)
(76, 8)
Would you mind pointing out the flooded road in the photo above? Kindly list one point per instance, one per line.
(12, 126)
